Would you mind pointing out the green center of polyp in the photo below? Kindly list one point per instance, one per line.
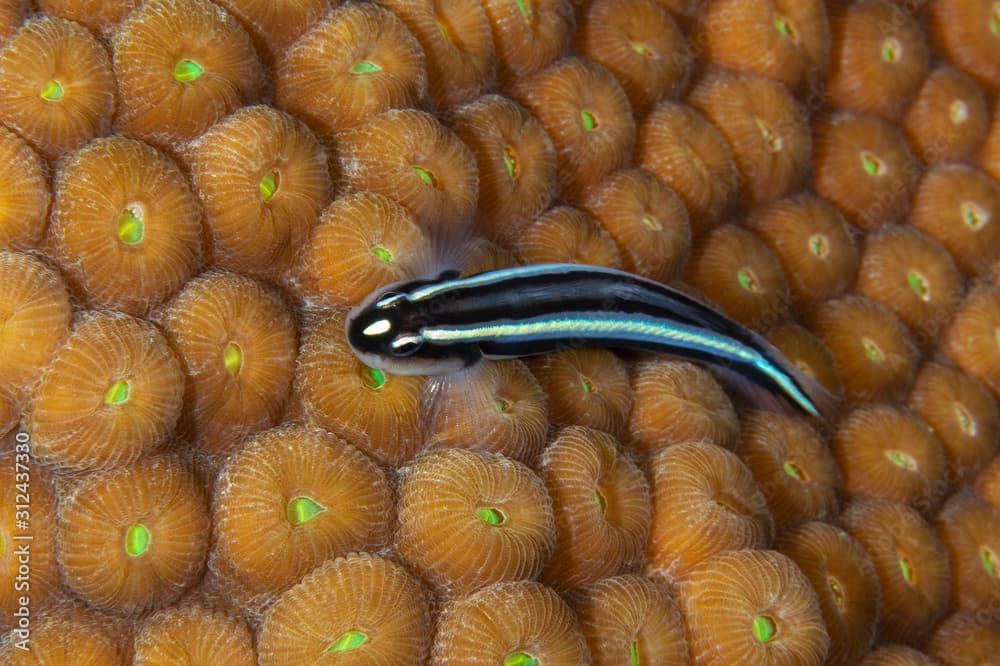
(589, 121)
(763, 628)
(187, 70)
(995, 19)
(302, 509)
(966, 423)
(651, 222)
(906, 570)
(642, 49)
(633, 653)
(771, 138)
(837, 590)
(872, 350)
(373, 378)
(232, 359)
(520, 659)
(269, 185)
(602, 504)
(129, 226)
(900, 459)
(793, 470)
(919, 284)
(872, 164)
(117, 393)
(892, 49)
(365, 67)
(819, 245)
(52, 91)
(973, 215)
(491, 515)
(136, 539)
(987, 559)
(349, 640)
(958, 112)
(588, 384)
(382, 254)
(524, 8)
(748, 280)
(510, 162)
(784, 26)
(501, 405)
(425, 175)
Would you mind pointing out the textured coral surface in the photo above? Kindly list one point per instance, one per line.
(195, 468)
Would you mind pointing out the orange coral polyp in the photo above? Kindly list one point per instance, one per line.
(110, 395)
(56, 85)
(262, 180)
(236, 341)
(134, 538)
(125, 226)
(469, 519)
(181, 66)
(358, 61)
(291, 498)
(600, 501)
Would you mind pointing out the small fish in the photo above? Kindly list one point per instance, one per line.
(440, 326)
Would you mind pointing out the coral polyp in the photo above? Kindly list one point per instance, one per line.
(133, 538)
(25, 200)
(469, 519)
(112, 394)
(497, 406)
(640, 43)
(687, 153)
(509, 623)
(181, 65)
(195, 631)
(262, 179)
(705, 502)
(236, 341)
(879, 58)
(586, 114)
(845, 582)
(567, 234)
(814, 245)
(784, 41)
(359, 60)
(360, 605)
(600, 501)
(375, 411)
(675, 402)
(410, 157)
(630, 618)
(947, 121)
(58, 91)
(125, 225)
(911, 564)
(765, 127)
(36, 315)
(752, 607)
(457, 44)
(362, 240)
(515, 160)
(288, 500)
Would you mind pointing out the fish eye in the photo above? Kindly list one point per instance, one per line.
(404, 345)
